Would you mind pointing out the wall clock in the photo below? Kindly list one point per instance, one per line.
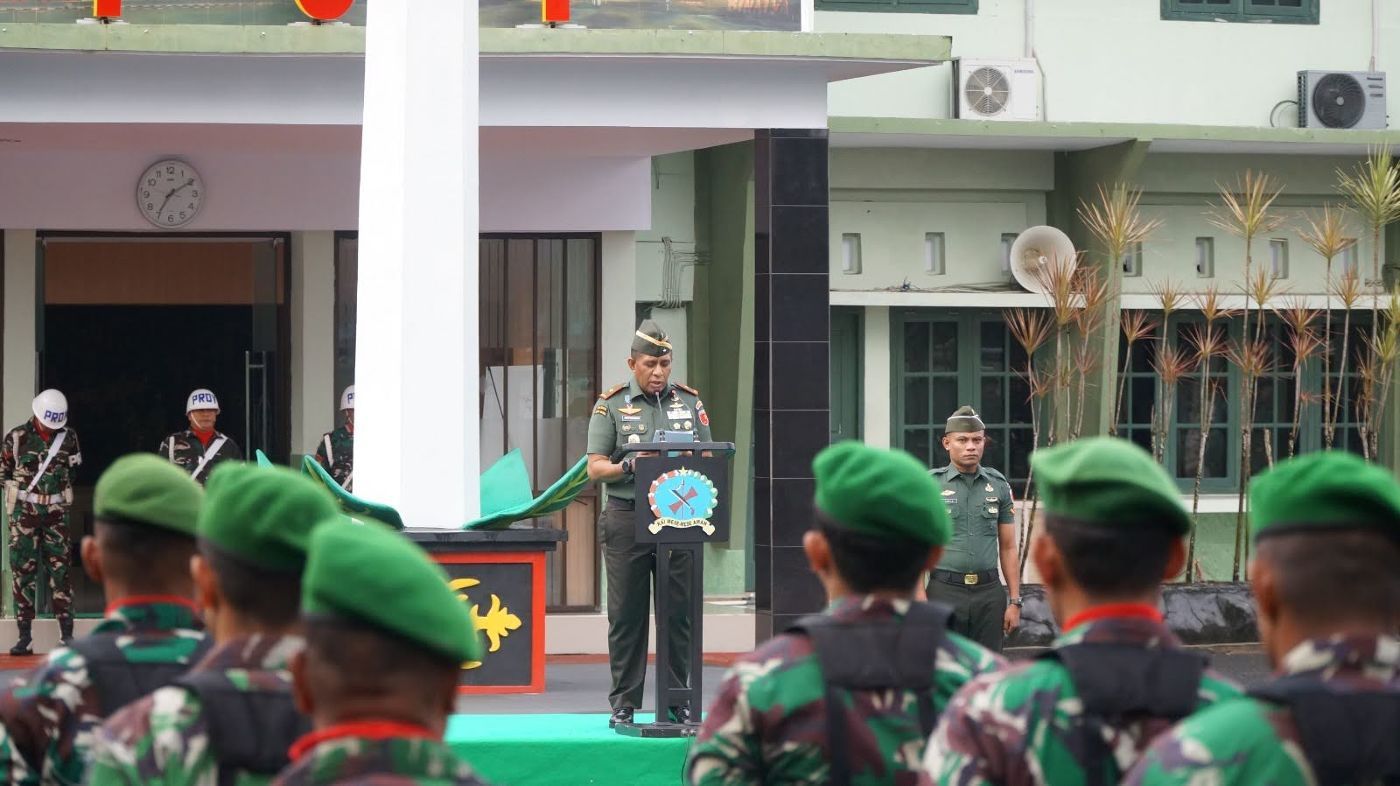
(170, 193)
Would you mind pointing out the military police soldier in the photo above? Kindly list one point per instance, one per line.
(336, 452)
(38, 462)
(850, 695)
(980, 503)
(200, 448)
(1331, 714)
(378, 679)
(252, 536)
(634, 412)
(1116, 677)
(143, 538)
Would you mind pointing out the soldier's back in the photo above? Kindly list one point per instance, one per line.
(384, 762)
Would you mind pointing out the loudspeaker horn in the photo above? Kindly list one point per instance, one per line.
(1036, 253)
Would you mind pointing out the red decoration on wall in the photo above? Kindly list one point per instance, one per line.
(324, 10)
(554, 11)
(106, 8)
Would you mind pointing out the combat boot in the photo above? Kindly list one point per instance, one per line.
(25, 639)
(65, 631)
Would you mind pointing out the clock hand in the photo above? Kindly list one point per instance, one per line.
(172, 193)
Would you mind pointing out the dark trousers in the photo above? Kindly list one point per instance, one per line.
(632, 577)
(978, 611)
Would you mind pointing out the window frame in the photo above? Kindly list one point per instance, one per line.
(1309, 13)
(900, 6)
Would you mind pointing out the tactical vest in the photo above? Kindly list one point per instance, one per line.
(888, 654)
(250, 730)
(1350, 736)
(1119, 684)
(119, 681)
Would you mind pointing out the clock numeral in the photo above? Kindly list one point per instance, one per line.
(151, 182)
(145, 194)
(191, 206)
(170, 219)
(182, 215)
(150, 206)
(194, 194)
(170, 170)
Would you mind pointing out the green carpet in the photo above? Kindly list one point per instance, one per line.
(526, 750)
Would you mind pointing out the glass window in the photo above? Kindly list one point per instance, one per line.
(903, 6)
(1290, 11)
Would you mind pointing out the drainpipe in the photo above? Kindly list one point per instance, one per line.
(1375, 30)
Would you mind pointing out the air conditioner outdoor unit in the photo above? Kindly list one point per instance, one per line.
(1341, 99)
(1000, 89)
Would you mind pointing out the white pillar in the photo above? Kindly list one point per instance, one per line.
(20, 270)
(416, 346)
(313, 339)
(876, 398)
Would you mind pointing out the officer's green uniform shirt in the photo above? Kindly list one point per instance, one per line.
(977, 504)
(626, 414)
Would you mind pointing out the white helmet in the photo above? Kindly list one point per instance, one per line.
(201, 399)
(51, 408)
(347, 398)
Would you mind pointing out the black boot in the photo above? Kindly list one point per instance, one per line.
(65, 631)
(25, 639)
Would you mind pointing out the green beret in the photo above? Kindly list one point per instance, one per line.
(650, 339)
(147, 489)
(371, 574)
(1106, 480)
(964, 420)
(263, 515)
(884, 493)
(1327, 491)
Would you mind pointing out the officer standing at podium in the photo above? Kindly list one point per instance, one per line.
(631, 413)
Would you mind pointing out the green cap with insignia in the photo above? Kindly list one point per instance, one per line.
(263, 515)
(1327, 491)
(650, 339)
(964, 420)
(374, 575)
(147, 489)
(878, 492)
(1106, 480)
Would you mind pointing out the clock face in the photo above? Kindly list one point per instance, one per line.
(170, 193)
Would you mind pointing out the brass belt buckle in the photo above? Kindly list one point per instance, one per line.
(969, 579)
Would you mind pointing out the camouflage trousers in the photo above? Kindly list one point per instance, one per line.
(40, 532)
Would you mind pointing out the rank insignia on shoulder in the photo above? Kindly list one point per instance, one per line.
(607, 394)
(600, 410)
(692, 391)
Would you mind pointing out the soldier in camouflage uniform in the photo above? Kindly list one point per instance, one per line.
(630, 413)
(850, 695)
(378, 677)
(336, 451)
(200, 448)
(252, 548)
(13, 768)
(140, 552)
(38, 463)
(1116, 677)
(1331, 715)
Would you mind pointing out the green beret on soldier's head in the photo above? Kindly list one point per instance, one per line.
(145, 489)
(650, 339)
(1327, 491)
(881, 493)
(964, 420)
(1110, 481)
(373, 575)
(263, 515)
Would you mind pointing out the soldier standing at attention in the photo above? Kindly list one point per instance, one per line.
(1082, 713)
(38, 463)
(140, 549)
(378, 677)
(252, 536)
(336, 453)
(1331, 714)
(980, 503)
(849, 695)
(631, 413)
(199, 448)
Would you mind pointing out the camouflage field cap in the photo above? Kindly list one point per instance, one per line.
(353, 570)
(964, 420)
(147, 489)
(878, 492)
(263, 515)
(1106, 480)
(1324, 492)
(650, 339)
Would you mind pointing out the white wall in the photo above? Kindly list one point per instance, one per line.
(1118, 61)
(561, 194)
(672, 182)
(619, 304)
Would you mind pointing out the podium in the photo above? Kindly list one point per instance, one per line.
(682, 503)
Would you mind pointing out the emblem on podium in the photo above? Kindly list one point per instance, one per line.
(681, 499)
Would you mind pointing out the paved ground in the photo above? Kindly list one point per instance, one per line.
(583, 687)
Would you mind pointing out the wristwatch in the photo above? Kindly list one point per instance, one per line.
(1017, 602)
(626, 465)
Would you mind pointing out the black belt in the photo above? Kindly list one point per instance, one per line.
(617, 503)
(977, 579)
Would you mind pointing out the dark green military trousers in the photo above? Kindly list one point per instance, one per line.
(978, 611)
(632, 578)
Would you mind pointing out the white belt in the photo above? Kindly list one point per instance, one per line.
(41, 499)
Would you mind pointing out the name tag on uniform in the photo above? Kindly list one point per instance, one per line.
(627, 418)
(678, 414)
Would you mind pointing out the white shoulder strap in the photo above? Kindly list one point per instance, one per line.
(330, 454)
(208, 456)
(48, 459)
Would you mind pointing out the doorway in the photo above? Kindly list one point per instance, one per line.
(129, 325)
